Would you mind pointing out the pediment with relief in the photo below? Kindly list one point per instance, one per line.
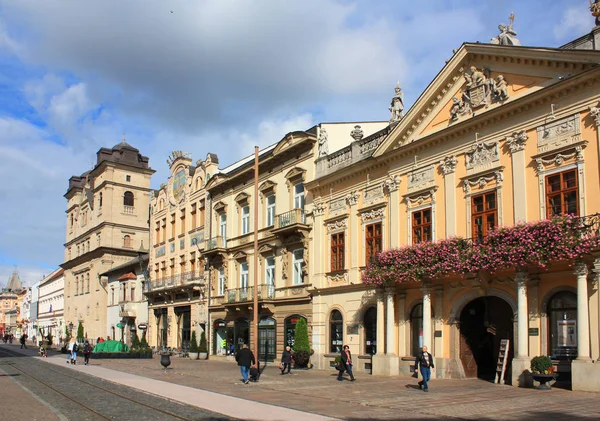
(482, 77)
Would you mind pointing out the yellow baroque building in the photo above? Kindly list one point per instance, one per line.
(504, 134)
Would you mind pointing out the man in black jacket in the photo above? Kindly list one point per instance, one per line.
(286, 360)
(346, 363)
(425, 361)
(245, 359)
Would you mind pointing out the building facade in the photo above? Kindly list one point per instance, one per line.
(176, 291)
(51, 307)
(504, 134)
(33, 311)
(10, 304)
(127, 305)
(107, 222)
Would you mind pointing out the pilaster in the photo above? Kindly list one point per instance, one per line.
(516, 144)
(448, 166)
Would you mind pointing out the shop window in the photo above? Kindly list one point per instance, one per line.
(337, 251)
(421, 226)
(484, 215)
(336, 332)
(562, 315)
(128, 199)
(561, 194)
(373, 241)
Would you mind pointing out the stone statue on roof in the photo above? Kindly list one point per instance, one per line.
(397, 105)
(507, 35)
(595, 9)
(323, 147)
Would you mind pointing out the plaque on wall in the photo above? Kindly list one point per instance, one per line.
(534, 331)
(352, 330)
(437, 334)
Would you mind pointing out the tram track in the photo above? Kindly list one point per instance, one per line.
(61, 373)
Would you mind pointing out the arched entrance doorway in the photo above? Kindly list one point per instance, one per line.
(484, 322)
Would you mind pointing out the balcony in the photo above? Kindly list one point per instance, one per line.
(290, 222)
(215, 245)
(128, 210)
(191, 277)
(246, 295)
(127, 309)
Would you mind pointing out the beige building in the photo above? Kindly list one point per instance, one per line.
(176, 291)
(10, 304)
(503, 134)
(107, 223)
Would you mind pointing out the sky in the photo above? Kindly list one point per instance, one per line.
(215, 76)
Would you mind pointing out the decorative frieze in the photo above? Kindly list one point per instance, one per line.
(352, 198)
(337, 225)
(419, 199)
(337, 205)
(337, 278)
(559, 158)
(481, 156)
(392, 183)
(517, 141)
(373, 194)
(319, 209)
(420, 178)
(372, 214)
(483, 181)
(448, 164)
(595, 113)
(559, 133)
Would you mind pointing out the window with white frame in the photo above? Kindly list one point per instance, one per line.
(270, 274)
(299, 196)
(223, 227)
(245, 220)
(298, 263)
(221, 290)
(270, 210)
(244, 275)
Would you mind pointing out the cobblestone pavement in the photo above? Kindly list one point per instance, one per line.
(372, 397)
(77, 396)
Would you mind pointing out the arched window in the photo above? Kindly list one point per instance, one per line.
(370, 325)
(336, 331)
(128, 198)
(562, 315)
(127, 242)
(416, 329)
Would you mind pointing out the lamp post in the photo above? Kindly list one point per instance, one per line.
(208, 288)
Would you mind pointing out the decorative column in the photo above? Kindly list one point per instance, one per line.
(522, 316)
(380, 323)
(390, 346)
(402, 323)
(426, 316)
(392, 184)
(448, 166)
(583, 322)
(597, 282)
(353, 235)
(516, 144)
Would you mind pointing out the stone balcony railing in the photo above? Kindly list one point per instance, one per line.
(215, 243)
(241, 295)
(295, 216)
(196, 276)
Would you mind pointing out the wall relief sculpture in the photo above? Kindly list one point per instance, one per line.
(481, 90)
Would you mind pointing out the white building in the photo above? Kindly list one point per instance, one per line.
(51, 306)
(24, 320)
(33, 310)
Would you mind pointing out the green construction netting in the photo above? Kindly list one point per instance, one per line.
(111, 346)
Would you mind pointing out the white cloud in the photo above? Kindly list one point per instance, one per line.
(573, 23)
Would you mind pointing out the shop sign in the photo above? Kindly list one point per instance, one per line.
(220, 324)
(143, 326)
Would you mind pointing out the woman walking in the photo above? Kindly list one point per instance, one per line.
(70, 349)
(346, 364)
(286, 360)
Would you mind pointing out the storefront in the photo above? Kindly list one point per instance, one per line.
(266, 339)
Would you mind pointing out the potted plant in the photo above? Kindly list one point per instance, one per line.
(302, 351)
(542, 371)
(203, 347)
(193, 353)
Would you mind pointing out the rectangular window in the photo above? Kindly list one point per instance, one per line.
(298, 266)
(337, 252)
(221, 281)
(164, 230)
(132, 293)
(373, 241)
(244, 275)
(223, 226)
(421, 226)
(193, 214)
(201, 214)
(270, 210)
(484, 215)
(561, 194)
(299, 196)
(182, 221)
(245, 220)
(193, 264)
(173, 232)
(124, 289)
(270, 270)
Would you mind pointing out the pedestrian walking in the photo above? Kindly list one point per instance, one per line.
(87, 350)
(245, 360)
(286, 360)
(22, 340)
(425, 361)
(74, 352)
(346, 364)
(70, 349)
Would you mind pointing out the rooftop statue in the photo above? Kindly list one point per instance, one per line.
(323, 148)
(397, 105)
(595, 9)
(507, 35)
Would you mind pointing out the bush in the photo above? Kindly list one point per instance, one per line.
(67, 335)
(144, 342)
(135, 342)
(203, 345)
(302, 351)
(194, 343)
(542, 365)
(80, 332)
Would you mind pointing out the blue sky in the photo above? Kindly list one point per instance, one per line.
(213, 76)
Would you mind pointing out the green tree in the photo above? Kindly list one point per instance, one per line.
(80, 332)
(203, 345)
(302, 349)
(144, 342)
(67, 334)
(194, 343)
(135, 342)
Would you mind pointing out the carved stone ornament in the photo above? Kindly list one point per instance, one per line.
(319, 209)
(373, 194)
(352, 198)
(420, 199)
(337, 225)
(448, 164)
(481, 154)
(337, 205)
(323, 147)
(483, 181)
(392, 183)
(517, 141)
(507, 35)
(559, 158)
(420, 178)
(595, 111)
(559, 133)
(481, 90)
(372, 214)
(284, 263)
(358, 133)
(397, 105)
(339, 277)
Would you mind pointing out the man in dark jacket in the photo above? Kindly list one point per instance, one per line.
(245, 359)
(425, 361)
(346, 363)
(286, 360)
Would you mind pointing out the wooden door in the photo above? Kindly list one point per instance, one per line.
(467, 358)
